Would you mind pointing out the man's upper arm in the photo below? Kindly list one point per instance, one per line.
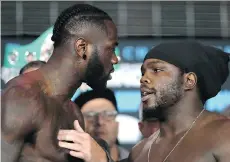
(222, 151)
(18, 119)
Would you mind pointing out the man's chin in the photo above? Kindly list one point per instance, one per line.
(153, 112)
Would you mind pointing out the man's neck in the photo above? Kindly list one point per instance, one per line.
(181, 116)
(61, 76)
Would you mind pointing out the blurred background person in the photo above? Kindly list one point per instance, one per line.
(148, 123)
(31, 66)
(100, 110)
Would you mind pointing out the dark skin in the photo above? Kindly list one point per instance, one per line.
(147, 128)
(36, 105)
(207, 141)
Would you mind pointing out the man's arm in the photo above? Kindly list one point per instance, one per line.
(18, 118)
(222, 150)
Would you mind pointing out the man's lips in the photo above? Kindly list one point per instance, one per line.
(146, 97)
(146, 93)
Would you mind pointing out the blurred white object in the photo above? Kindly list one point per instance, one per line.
(128, 132)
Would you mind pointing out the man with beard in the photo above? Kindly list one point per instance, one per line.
(36, 105)
(148, 123)
(177, 79)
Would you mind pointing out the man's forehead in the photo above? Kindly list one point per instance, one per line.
(154, 61)
(98, 104)
(151, 62)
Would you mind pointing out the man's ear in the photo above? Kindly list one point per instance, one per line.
(80, 47)
(140, 125)
(190, 80)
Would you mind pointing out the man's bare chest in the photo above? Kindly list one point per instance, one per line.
(44, 143)
(191, 150)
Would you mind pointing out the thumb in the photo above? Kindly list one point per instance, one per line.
(77, 126)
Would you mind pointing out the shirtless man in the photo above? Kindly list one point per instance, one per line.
(148, 124)
(36, 105)
(177, 78)
(31, 66)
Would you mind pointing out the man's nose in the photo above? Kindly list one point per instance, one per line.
(99, 120)
(144, 79)
(115, 59)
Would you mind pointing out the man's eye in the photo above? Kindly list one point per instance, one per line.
(157, 70)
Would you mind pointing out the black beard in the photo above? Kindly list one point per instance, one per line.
(169, 96)
(95, 74)
(151, 114)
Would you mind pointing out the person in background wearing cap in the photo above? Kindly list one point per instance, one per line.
(177, 79)
(99, 110)
(147, 124)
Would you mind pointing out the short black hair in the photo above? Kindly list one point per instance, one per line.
(75, 18)
(32, 64)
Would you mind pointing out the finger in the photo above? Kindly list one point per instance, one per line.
(73, 136)
(77, 126)
(65, 131)
(77, 154)
(70, 146)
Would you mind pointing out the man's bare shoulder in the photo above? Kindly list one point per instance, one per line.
(221, 128)
(220, 138)
(219, 123)
(21, 107)
(22, 89)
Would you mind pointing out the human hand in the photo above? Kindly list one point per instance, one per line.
(83, 146)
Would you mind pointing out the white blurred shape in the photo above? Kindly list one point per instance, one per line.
(128, 132)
